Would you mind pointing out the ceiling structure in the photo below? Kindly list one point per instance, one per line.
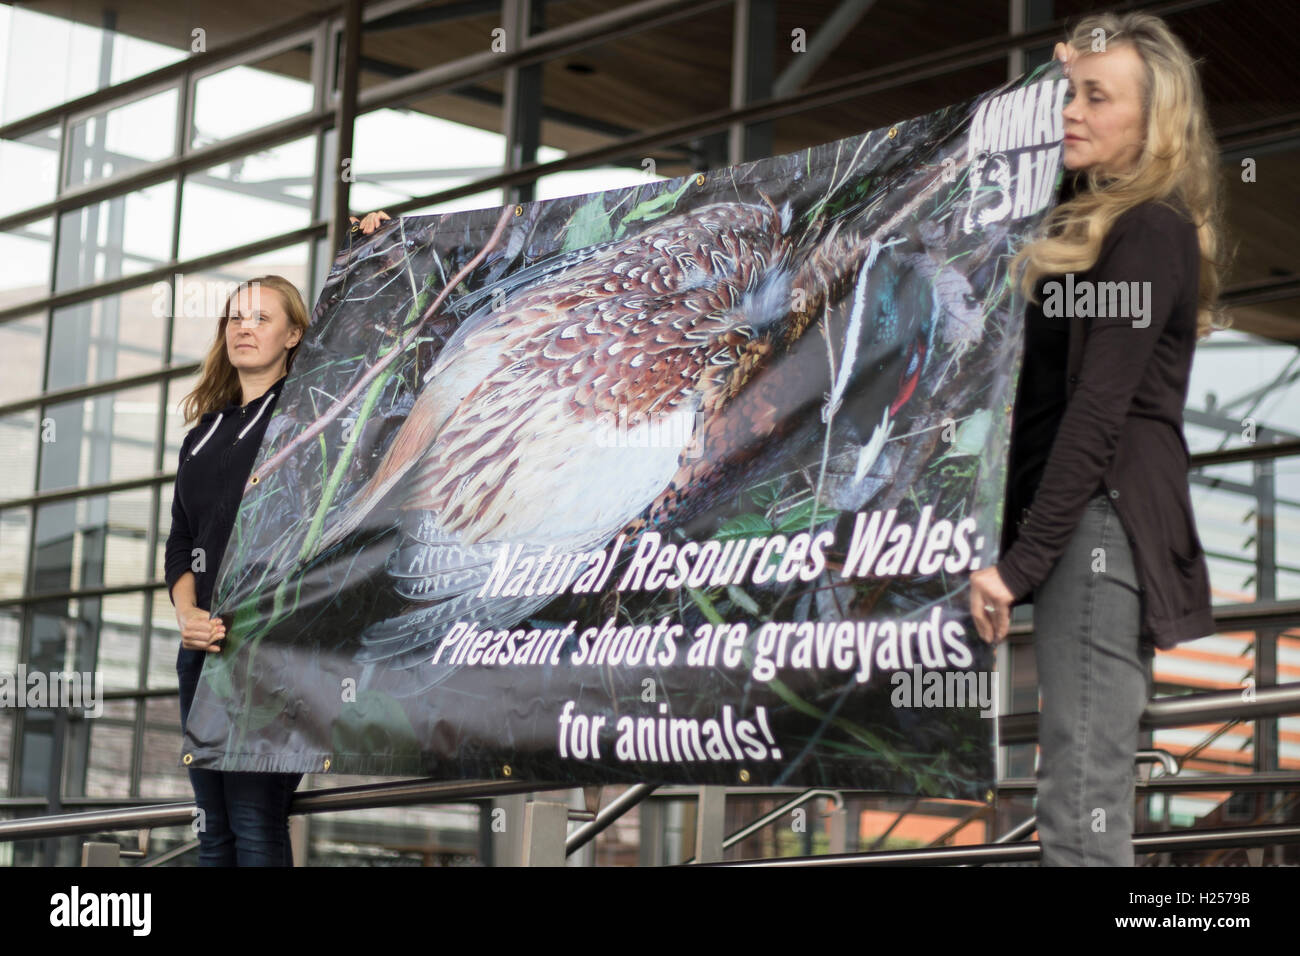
(682, 70)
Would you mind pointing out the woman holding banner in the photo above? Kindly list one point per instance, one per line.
(243, 817)
(1098, 525)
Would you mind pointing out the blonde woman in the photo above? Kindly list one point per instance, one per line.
(1098, 525)
(245, 816)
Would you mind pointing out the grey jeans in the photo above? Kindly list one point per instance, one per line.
(1094, 679)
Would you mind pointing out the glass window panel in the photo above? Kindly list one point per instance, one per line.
(1224, 504)
(1286, 546)
(399, 154)
(246, 199)
(29, 167)
(164, 645)
(118, 140)
(25, 262)
(93, 541)
(1289, 743)
(6, 750)
(19, 437)
(486, 200)
(578, 182)
(68, 60)
(15, 535)
(201, 297)
(177, 389)
(120, 644)
(1241, 386)
(108, 770)
(64, 635)
(110, 337)
(162, 774)
(1288, 672)
(108, 437)
(243, 98)
(128, 530)
(116, 237)
(22, 345)
(10, 628)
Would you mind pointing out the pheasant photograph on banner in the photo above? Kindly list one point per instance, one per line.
(680, 482)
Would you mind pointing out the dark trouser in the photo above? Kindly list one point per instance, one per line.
(244, 817)
(1094, 678)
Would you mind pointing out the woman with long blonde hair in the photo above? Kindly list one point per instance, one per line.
(1098, 528)
(243, 817)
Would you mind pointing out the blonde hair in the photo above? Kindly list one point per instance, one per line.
(218, 380)
(1179, 161)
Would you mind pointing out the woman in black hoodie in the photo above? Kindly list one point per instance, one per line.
(244, 817)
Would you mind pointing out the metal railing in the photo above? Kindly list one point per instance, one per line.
(546, 840)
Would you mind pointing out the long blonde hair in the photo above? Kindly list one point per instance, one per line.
(1179, 160)
(218, 380)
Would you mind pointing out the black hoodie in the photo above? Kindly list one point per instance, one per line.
(216, 459)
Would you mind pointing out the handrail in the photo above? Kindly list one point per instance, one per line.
(772, 816)
(1169, 841)
(624, 802)
(1177, 711)
(1173, 712)
(364, 797)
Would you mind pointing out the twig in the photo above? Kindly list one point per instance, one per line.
(318, 426)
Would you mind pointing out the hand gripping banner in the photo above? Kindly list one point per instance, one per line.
(680, 482)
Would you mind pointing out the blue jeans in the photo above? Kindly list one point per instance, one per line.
(244, 818)
(1094, 677)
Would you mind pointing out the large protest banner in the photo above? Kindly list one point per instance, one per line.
(678, 482)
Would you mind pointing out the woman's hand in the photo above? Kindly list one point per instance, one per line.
(1066, 54)
(200, 631)
(371, 221)
(988, 591)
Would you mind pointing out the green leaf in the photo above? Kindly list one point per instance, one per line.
(801, 515)
(743, 526)
(263, 714)
(654, 207)
(742, 600)
(588, 225)
(972, 434)
(705, 605)
(216, 671)
(373, 724)
(765, 495)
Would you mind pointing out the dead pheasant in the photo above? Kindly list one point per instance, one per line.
(505, 445)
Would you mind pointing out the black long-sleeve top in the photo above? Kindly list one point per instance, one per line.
(1119, 430)
(216, 459)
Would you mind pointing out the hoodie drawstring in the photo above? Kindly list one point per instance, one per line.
(266, 401)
